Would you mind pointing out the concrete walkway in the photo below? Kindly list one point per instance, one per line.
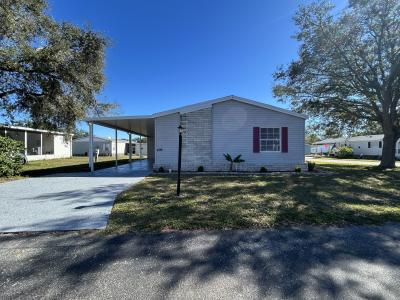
(65, 201)
(357, 262)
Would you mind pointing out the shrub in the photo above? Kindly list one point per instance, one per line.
(237, 160)
(11, 159)
(200, 169)
(344, 152)
(161, 170)
(263, 170)
(310, 166)
(297, 169)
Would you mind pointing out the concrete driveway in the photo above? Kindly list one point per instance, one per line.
(65, 201)
(357, 262)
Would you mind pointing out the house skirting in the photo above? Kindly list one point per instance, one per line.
(224, 167)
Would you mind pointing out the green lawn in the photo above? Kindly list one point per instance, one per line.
(335, 195)
(65, 165)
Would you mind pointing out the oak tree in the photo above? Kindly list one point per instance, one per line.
(348, 70)
(50, 72)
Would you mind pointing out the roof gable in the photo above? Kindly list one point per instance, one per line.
(209, 103)
(330, 141)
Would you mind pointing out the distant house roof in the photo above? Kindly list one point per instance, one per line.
(21, 128)
(85, 139)
(375, 137)
(330, 141)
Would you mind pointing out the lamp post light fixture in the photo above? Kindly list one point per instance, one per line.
(178, 185)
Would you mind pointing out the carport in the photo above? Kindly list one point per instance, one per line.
(138, 125)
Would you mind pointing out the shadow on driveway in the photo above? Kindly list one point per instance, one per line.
(303, 262)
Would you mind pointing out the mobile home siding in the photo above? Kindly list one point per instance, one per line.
(233, 124)
(62, 146)
(361, 147)
(166, 143)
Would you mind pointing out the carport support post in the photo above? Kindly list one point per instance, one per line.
(116, 148)
(130, 148)
(25, 142)
(41, 143)
(140, 146)
(91, 166)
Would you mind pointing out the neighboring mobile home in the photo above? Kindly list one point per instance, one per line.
(369, 145)
(366, 145)
(40, 144)
(263, 134)
(325, 146)
(106, 146)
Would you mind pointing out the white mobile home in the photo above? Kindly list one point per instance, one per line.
(106, 146)
(265, 135)
(40, 144)
(369, 145)
(366, 145)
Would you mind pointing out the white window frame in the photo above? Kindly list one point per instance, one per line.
(280, 140)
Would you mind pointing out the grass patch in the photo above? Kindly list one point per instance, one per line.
(65, 165)
(340, 195)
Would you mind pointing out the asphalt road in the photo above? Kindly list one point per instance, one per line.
(65, 201)
(297, 263)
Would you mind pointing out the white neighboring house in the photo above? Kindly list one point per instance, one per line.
(106, 146)
(370, 145)
(325, 146)
(40, 144)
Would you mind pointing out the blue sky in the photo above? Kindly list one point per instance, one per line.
(169, 53)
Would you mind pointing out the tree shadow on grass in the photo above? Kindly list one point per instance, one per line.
(218, 202)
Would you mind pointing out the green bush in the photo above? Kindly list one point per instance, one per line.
(161, 170)
(310, 166)
(297, 169)
(11, 160)
(344, 152)
(200, 169)
(263, 170)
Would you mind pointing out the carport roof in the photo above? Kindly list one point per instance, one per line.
(141, 125)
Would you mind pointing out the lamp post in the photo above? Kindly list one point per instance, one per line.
(178, 185)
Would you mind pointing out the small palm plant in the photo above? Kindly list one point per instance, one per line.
(237, 160)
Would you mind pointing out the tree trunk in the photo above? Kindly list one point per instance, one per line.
(388, 160)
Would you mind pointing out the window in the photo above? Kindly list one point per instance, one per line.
(380, 144)
(270, 139)
(369, 144)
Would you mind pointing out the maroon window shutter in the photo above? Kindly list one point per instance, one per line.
(256, 139)
(285, 140)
